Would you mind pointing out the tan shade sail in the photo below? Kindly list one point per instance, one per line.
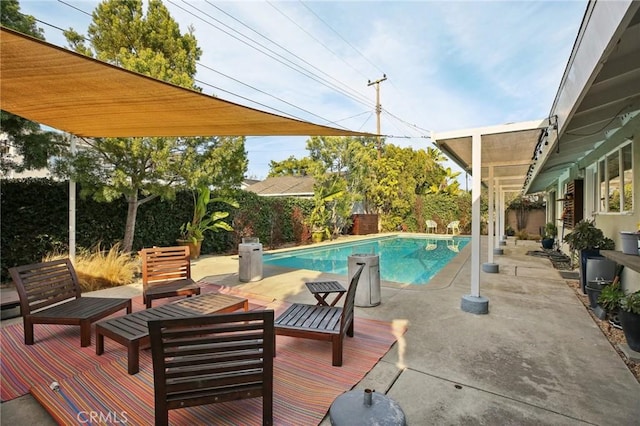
(80, 95)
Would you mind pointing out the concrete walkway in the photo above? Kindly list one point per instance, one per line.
(537, 358)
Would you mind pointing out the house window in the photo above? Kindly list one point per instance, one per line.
(613, 176)
(615, 181)
(627, 177)
(602, 186)
(591, 195)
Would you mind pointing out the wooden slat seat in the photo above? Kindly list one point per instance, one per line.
(321, 322)
(132, 330)
(166, 272)
(50, 294)
(210, 359)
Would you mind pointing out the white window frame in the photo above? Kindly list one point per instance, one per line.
(597, 177)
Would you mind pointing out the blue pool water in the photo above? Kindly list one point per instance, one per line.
(408, 260)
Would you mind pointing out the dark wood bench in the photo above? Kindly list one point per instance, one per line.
(321, 322)
(132, 330)
(9, 299)
(166, 272)
(210, 359)
(49, 293)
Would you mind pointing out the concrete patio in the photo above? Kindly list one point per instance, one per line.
(537, 358)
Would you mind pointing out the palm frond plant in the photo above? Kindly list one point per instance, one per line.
(193, 232)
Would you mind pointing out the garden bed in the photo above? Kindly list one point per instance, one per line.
(613, 334)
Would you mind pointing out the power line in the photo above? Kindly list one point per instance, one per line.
(344, 86)
(244, 84)
(284, 61)
(301, 28)
(338, 34)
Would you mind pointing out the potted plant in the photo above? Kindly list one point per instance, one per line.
(609, 300)
(587, 240)
(192, 232)
(549, 235)
(630, 319)
(318, 220)
(320, 216)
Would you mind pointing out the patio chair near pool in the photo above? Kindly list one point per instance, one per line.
(50, 293)
(454, 227)
(210, 359)
(432, 227)
(321, 322)
(166, 272)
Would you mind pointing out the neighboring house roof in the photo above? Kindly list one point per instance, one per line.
(247, 183)
(284, 186)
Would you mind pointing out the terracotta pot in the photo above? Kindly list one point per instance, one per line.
(194, 248)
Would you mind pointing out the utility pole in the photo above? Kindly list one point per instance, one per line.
(378, 107)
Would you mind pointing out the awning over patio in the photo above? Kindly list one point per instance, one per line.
(86, 97)
(506, 148)
(500, 157)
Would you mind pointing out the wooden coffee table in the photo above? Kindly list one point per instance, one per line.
(132, 331)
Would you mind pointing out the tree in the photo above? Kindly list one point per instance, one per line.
(292, 167)
(141, 169)
(31, 143)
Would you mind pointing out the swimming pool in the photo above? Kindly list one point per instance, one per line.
(408, 260)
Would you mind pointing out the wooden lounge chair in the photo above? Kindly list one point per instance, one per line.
(209, 359)
(50, 294)
(166, 272)
(321, 322)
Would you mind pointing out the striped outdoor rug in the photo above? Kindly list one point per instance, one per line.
(97, 389)
(305, 385)
(57, 354)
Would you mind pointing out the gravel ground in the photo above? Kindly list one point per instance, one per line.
(614, 335)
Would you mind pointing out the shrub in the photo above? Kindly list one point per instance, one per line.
(98, 268)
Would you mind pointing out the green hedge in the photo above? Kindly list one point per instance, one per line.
(35, 221)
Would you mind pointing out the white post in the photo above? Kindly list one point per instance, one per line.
(490, 229)
(501, 213)
(476, 189)
(72, 207)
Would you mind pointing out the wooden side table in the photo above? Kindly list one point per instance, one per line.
(322, 289)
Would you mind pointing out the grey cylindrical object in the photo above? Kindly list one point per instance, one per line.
(368, 290)
(368, 397)
(600, 267)
(250, 259)
(491, 268)
(350, 409)
(474, 304)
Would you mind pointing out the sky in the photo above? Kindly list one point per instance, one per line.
(449, 65)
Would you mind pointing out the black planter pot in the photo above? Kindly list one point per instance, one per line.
(594, 288)
(631, 328)
(547, 243)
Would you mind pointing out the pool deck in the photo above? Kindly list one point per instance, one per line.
(537, 358)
